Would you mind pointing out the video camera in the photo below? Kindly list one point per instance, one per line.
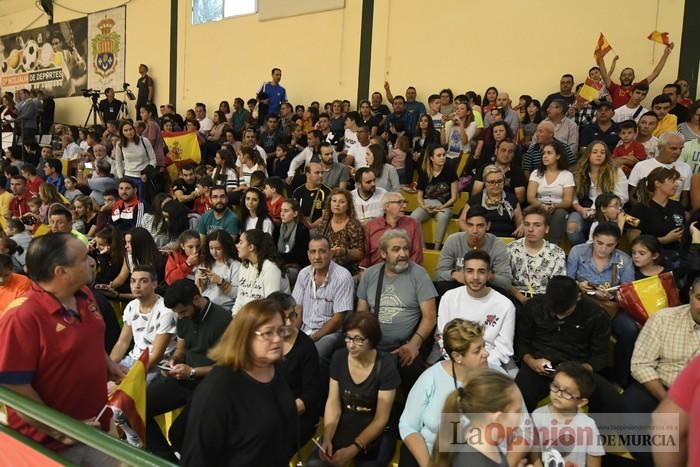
(91, 93)
(128, 92)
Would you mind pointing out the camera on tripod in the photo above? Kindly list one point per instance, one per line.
(91, 93)
(128, 92)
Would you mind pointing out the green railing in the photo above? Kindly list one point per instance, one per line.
(80, 432)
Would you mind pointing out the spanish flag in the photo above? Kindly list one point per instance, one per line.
(182, 146)
(589, 91)
(660, 37)
(644, 297)
(128, 403)
(602, 47)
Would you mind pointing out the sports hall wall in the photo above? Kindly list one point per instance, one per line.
(521, 46)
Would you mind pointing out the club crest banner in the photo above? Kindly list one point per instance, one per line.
(106, 43)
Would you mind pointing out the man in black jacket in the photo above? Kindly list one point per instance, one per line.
(558, 327)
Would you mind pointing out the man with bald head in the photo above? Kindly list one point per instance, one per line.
(543, 135)
(512, 118)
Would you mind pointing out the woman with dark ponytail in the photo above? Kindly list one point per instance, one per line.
(492, 403)
(659, 214)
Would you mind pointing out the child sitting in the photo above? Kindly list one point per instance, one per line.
(108, 251)
(628, 151)
(274, 191)
(558, 421)
(202, 202)
(71, 185)
(184, 259)
(608, 208)
(16, 231)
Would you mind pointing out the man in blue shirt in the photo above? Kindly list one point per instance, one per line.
(220, 216)
(275, 93)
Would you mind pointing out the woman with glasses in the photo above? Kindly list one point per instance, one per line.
(243, 412)
(420, 420)
(502, 208)
(300, 368)
(361, 392)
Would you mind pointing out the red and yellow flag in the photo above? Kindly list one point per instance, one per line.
(602, 47)
(644, 297)
(660, 37)
(589, 91)
(128, 402)
(183, 146)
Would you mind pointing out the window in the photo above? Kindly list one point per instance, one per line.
(204, 11)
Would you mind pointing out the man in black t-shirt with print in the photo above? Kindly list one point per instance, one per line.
(312, 195)
(109, 108)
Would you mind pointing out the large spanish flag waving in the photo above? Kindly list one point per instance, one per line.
(644, 297)
(589, 91)
(128, 403)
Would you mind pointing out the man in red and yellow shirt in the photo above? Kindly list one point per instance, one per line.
(52, 342)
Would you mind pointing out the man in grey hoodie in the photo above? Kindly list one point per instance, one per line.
(449, 273)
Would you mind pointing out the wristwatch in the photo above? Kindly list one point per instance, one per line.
(193, 373)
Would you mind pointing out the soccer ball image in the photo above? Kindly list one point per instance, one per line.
(30, 55)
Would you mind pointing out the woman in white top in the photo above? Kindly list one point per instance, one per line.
(217, 277)
(132, 154)
(552, 186)
(595, 174)
(259, 274)
(254, 214)
(691, 129)
(225, 170)
(457, 132)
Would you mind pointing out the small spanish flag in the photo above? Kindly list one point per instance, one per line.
(602, 47)
(660, 37)
(128, 402)
(589, 91)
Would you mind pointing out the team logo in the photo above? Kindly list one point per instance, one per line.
(59, 327)
(16, 302)
(105, 47)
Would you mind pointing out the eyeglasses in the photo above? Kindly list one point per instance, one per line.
(357, 340)
(282, 331)
(495, 182)
(291, 316)
(555, 389)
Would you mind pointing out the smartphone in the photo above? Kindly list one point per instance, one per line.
(319, 446)
(549, 369)
(88, 165)
(164, 367)
(612, 289)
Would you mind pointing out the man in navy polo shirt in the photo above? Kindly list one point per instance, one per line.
(274, 92)
(52, 343)
(604, 128)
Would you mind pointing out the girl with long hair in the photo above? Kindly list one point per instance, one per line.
(85, 215)
(426, 136)
(260, 274)
(132, 155)
(225, 170)
(437, 191)
(292, 239)
(254, 212)
(185, 258)
(528, 126)
(108, 250)
(595, 174)
(217, 276)
(139, 249)
(647, 257)
(457, 132)
(386, 174)
(552, 186)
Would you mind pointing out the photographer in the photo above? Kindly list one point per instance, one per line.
(109, 108)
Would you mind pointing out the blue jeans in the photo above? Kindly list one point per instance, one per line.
(578, 228)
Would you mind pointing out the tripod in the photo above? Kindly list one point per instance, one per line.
(93, 111)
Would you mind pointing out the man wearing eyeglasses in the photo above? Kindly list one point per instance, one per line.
(402, 296)
(562, 326)
(324, 293)
(200, 324)
(52, 344)
(393, 218)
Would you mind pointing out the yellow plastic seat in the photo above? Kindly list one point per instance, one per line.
(431, 258)
(429, 229)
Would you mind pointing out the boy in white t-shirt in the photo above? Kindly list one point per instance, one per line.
(560, 420)
(148, 322)
(633, 110)
(434, 111)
